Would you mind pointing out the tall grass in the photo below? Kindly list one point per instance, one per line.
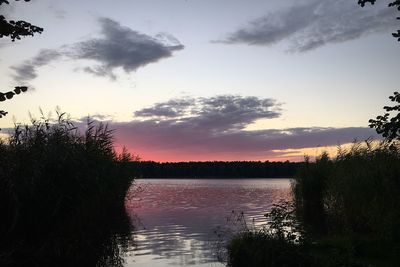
(55, 185)
(348, 207)
(352, 201)
(357, 192)
(275, 244)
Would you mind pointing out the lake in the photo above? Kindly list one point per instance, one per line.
(175, 220)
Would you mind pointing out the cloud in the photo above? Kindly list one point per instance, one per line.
(224, 112)
(313, 24)
(57, 11)
(118, 47)
(171, 108)
(27, 70)
(123, 47)
(215, 129)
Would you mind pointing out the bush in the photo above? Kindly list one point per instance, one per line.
(261, 249)
(360, 190)
(283, 242)
(347, 213)
(358, 198)
(309, 189)
(52, 180)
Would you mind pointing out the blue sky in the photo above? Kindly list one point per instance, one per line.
(326, 67)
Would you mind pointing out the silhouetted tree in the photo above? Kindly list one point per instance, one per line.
(15, 30)
(395, 3)
(9, 95)
(387, 125)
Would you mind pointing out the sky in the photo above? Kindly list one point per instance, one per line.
(197, 80)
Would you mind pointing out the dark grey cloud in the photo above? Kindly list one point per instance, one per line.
(118, 47)
(316, 23)
(215, 128)
(27, 70)
(100, 71)
(224, 112)
(122, 47)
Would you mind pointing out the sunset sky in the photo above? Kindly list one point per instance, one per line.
(185, 80)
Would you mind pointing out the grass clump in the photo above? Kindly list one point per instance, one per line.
(348, 209)
(358, 195)
(57, 187)
(276, 244)
(357, 192)
(263, 249)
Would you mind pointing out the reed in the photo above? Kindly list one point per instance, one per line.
(56, 185)
(348, 208)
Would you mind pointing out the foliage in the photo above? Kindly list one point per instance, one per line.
(260, 249)
(389, 127)
(278, 243)
(359, 198)
(283, 242)
(283, 223)
(9, 95)
(346, 213)
(309, 189)
(57, 187)
(15, 30)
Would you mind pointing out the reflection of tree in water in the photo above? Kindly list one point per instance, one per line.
(104, 241)
(96, 237)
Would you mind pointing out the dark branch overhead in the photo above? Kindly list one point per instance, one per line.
(16, 29)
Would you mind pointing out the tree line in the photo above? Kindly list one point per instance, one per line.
(214, 169)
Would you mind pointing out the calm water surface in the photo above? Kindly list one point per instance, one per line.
(175, 220)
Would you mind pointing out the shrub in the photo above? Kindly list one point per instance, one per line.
(360, 190)
(358, 198)
(53, 180)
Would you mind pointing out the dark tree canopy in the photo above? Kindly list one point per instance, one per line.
(395, 3)
(388, 125)
(15, 30)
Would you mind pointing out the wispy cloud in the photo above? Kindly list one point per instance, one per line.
(118, 47)
(215, 128)
(224, 112)
(316, 23)
(28, 70)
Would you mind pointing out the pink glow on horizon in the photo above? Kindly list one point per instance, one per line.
(185, 156)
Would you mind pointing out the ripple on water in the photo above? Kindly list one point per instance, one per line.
(175, 220)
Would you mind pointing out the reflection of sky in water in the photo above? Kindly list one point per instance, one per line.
(175, 219)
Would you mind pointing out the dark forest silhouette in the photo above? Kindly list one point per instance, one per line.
(214, 169)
